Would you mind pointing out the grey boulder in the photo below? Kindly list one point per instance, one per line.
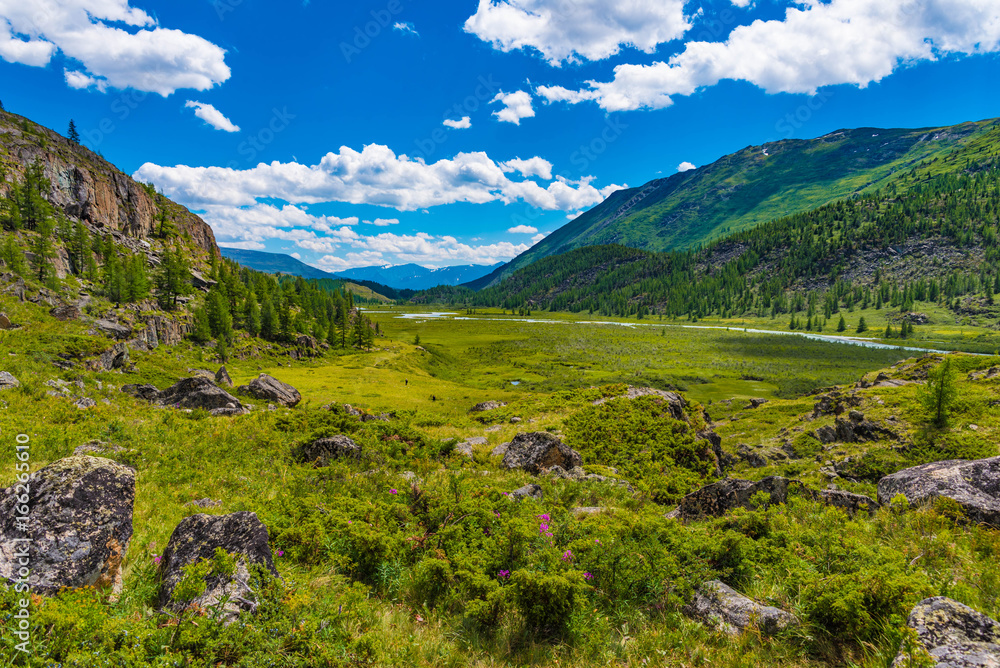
(198, 393)
(79, 529)
(536, 451)
(955, 635)
(268, 388)
(720, 497)
(529, 491)
(8, 382)
(733, 613)
(975, 485)
(325, 450)
(196, 538)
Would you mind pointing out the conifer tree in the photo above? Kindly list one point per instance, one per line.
(268, 320)
(43, 248)
(842, 325)
(72, 133)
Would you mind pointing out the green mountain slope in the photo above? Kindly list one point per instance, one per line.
(929, 241)
(750, 187)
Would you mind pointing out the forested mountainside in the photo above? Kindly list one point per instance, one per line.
(751, 187)
(931, 235)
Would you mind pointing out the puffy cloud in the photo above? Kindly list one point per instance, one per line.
(516, 106)
(212, 116)
(743, 4)
(523, 229)
(531, 167)
(686, 166)
(115, 45)
(382, 222)
(464, 124)
(571, 30)
(243, 245)
(406, 28)
(538, 237)
(375, 176)
(816, 44)
(297, 256)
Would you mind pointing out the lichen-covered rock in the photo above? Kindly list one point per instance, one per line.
(852, 503)
(720, 497)
(955, 635)
(80, 525)
(487, 406)
(66, 312)
(198, 393)
(197, 537)
(676, 404)
(536, 451)
(115, 358)
(222, 378)
(113, 329)
(325, 450)
(268, 388)
(530, 491)
(975, 485)
(733, 613)
(500, 450)
(8, 382)
(144, 392)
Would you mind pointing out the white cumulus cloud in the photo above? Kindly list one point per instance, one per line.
(462, 124)
(523, 229)
(816, 44)
(108, 44)
(686, 166)
(212, 116)
(516, 106)
(531, 167)
(574, 30)
(382, 222)
(375, 176)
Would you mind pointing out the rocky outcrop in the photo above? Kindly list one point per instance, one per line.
(115, 358)
(954, 635)
(197, 393)
(733, 613)
(8, 382)
(86, 187)
(487, 406)
(500, 450)
(534, 452)
(242, 535)
(325, 450)
(975, 485)
(835, 403)
(676, 404)
(112, 329)
(856, 429)
(268, 388)
(80, 526)
(720, 497)
(65, 313)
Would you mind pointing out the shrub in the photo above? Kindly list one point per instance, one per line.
(547, 600)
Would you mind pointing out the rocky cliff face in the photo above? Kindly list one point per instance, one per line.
(89, 188)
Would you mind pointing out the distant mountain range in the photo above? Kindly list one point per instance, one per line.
(401, 277)
(749, 188)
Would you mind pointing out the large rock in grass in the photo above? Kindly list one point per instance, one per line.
(145, 392)
(222, 378)
(974, 485)
(534, 452)
(955, 635)
(115, 358)
(487, 406)
(196, 538)
(198, 393)
(325, 450)
(733, 613)
(80, 524)
(267, 388)
(8, 382)
(720, 497)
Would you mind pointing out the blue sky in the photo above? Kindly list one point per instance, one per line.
(459, 131)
